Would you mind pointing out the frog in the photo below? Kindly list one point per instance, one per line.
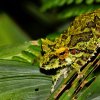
(74, 47)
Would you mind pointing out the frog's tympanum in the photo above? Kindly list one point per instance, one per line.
(74, 47)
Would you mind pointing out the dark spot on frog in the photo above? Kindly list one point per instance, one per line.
(85, 36)
(43, 65)
(74, 51)
(91, 24)
(53, 57)
(64, 36)
(96, 19)
(98, 29)
(51, 47)
(82, 28)
(80, 39)
(60, 62)
(62, 53)
(79, 62)
(84, 58)
(89, 51)
(47, 63)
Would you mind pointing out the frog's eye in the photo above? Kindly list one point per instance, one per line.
(53, 57)
(62, 53)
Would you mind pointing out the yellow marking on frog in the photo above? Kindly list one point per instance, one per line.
(62, 49)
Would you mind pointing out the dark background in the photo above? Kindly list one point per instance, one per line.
(39, 24)
(31, 24)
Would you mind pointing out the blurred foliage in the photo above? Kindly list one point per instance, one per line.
(7, 51)
(57, 14)
(41, 17)
(92, 92)
(50, 4)
(10, 33)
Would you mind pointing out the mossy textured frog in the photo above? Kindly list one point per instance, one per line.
(74, 47)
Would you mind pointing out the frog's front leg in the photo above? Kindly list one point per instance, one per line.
(77, 66)
(72, 62)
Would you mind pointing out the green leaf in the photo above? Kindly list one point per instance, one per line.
(92, 92)
(75, 11)
(26, 52)
(48, 4)
(7, 51)
(10, 33)
(22, 81)
(53, 36)
(52, 4)
(35, 49)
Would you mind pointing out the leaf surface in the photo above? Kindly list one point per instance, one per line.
(22, 81)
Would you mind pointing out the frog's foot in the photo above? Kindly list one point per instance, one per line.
(80, 75)
(77, 65)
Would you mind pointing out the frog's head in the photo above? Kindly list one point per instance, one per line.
(55, 59)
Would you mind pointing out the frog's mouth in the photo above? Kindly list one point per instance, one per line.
(57, 59)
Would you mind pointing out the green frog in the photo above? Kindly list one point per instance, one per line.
(74, 47)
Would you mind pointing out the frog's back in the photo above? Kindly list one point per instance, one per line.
(83, 22)
(78, 43)
(83, 28)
